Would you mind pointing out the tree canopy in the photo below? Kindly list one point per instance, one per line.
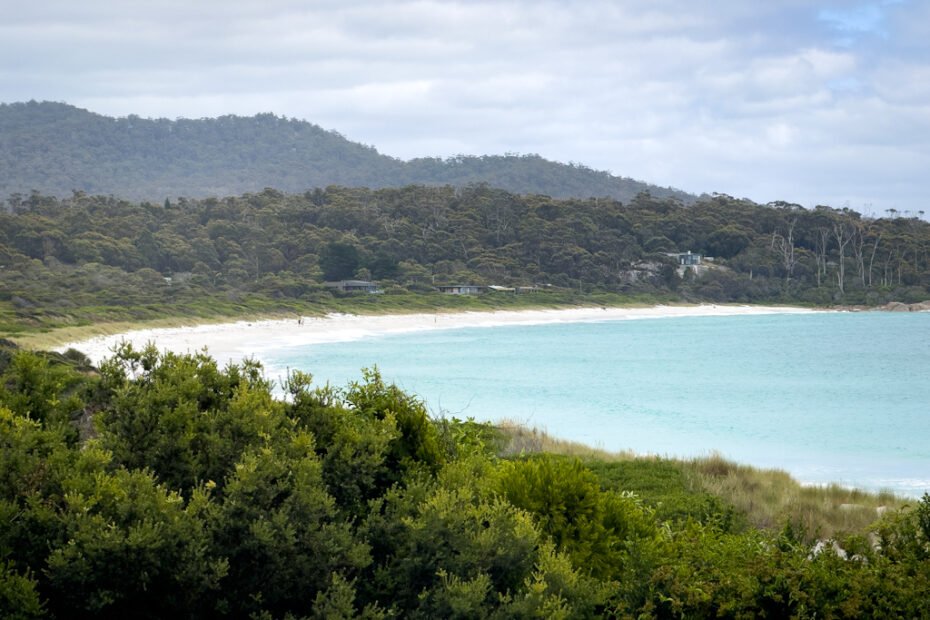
(96, 257)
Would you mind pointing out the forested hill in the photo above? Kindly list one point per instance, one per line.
(56, 148)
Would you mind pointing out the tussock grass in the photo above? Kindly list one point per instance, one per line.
(520, 439)
(763, 498)
(770, 498)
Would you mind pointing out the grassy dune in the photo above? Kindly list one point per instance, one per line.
(702, 487)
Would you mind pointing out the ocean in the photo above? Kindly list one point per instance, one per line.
(828, 397)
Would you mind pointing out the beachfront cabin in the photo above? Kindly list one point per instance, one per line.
(354, 286)
(527, 289)
(502, 289)
(460, 289)
(686, 259)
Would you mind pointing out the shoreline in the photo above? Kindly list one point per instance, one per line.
(243, 339)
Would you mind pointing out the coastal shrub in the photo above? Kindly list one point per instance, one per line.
(353, 448)
(19, 599)
(923, 517)
(34, 461)
(463, 438)
(593, 527)
(181, 416)
(34, 387)
(95, 538)
(279, 532)
(417, 444)
(453, 549)
(129, 548)
(672, 492)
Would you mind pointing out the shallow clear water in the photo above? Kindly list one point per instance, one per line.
(830, 397)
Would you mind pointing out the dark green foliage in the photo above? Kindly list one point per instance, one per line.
(97, 258)
(277, 515)
(596, 529)
(668, 490)
(181, 417)
(727, 242)
(205, 496)
(339, 261)
(416, 445)
(464, 438)
(102, 542)
(133, 549)
(923, 517)
(453, 549)
(338, 603)
(563, 496)
(907, 536)
(33, 463)
(353, 449)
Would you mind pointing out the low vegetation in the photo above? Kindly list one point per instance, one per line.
(162, 485)
(713, 487)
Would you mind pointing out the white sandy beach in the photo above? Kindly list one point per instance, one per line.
(232, 342)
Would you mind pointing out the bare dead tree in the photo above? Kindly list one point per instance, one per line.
(843, 233)
(822, 244)
(858, 245)
(784, 245)
(887, 269)
(872, 256)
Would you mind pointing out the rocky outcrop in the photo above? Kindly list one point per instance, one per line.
(897, 306)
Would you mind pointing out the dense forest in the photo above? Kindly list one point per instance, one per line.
(55, 148)
(161, 485)
(64, 261)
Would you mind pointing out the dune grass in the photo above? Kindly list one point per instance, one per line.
(771, 498)
(713, 488)
(520, 439)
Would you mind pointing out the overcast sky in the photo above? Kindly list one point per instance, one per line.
(813, 102)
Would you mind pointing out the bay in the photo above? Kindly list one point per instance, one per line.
(829, 397)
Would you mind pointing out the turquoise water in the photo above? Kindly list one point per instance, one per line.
(829, 397)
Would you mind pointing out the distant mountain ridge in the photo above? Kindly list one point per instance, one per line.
(57, 148)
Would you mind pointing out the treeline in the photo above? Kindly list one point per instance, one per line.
(161, 485)
(60, 255)
(56, 148)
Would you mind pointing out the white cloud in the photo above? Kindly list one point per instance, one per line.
(810, 102)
